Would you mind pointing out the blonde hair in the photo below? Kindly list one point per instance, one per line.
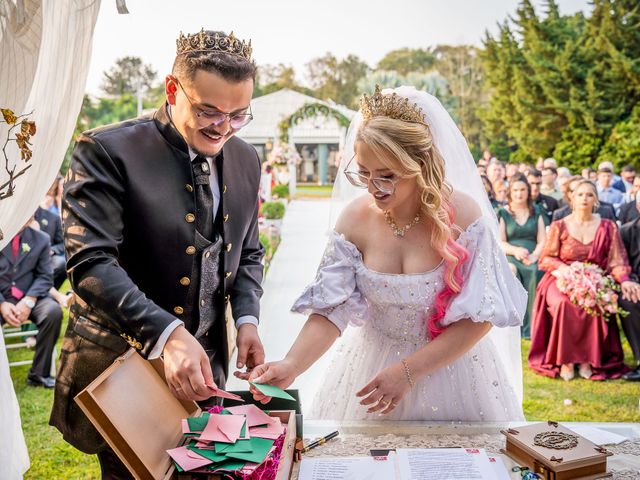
(584, 181)
(408, 148)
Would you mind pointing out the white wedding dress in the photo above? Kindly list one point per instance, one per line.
(14, 459)
(390, 310)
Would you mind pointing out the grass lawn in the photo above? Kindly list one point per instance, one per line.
(51, 457)
(313, 191)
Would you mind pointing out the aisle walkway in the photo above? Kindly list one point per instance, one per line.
(304, 235)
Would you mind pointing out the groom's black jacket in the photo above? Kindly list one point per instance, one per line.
(129, 238)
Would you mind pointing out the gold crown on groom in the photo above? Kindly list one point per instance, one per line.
(390, 105)
(213, 42)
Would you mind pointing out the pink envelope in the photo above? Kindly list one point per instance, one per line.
(255, 416)
(271, 431)
(216, 392)
(185, 426)
(223, 428)
(187, 459)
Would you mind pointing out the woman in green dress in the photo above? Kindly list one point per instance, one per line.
(522, 233)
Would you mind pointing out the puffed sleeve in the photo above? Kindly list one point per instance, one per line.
(334, 293)
(490, 292)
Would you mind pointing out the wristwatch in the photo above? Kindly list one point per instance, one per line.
(29, 303)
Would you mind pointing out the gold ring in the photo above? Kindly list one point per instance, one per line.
(384, 402)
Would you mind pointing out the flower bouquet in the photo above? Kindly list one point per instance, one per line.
(284, 154)
(588, 287)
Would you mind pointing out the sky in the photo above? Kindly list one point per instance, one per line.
(294, 32)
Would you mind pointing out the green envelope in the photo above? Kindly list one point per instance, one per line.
(197, 424)
(241, 446)
(231, 465)
(271, 391)
(208, 454)
(260, 449)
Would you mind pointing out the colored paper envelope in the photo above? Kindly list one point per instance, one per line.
(268, 431)
(186, 459)
(209, 454)
(197, 424)
(241, 446)
(255, 416)
(271, 391)
(223, 428)
(260, 447)
(217, 392)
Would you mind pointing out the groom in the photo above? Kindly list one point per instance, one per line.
(161, 234)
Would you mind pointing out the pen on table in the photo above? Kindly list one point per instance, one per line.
(321, 441)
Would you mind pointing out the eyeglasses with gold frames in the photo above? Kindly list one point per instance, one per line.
(216, 117)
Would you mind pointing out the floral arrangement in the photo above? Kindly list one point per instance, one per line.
(588, 287)
(284, 154)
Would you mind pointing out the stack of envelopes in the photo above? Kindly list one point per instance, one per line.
(237, 439)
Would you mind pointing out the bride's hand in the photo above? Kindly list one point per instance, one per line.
(386, 390)
(280, 374)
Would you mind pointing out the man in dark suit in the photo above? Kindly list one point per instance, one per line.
(51, 224)
(604, 209)
(629, 211)
(161, 234)
(548, 204)
(630, 233)
(25, 280)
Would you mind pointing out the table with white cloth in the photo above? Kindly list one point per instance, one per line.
(358, 438)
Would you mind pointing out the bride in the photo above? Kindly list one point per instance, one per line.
(14, 459)
(415, 264)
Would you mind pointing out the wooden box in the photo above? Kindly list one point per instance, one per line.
(582, 459)
(131, 406)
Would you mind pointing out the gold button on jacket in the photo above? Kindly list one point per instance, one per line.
(190, 217)
(190, 250)
(185, 281)
(178, 310)
(229, 245)
(188, 187)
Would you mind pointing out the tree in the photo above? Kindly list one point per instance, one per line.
(560, 84)
(337, 80)
(462, 68)
(127, 76)
(272, 78)
(407, 60)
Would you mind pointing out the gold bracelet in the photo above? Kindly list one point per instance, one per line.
(407, 371)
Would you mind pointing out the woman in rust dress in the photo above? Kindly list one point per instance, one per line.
(563, 334)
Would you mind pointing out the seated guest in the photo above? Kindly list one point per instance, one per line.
(588, 173)
(549, 185)
(500, 190)
(564, 334)
(631, 210)
(625, 182)
(25, 281)
(522, 234)
(606, 193)
(490, 193)
(495, 171)
(548, 204)
(51, 224)
(605, 210)
(630, 234)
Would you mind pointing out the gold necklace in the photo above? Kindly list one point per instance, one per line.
(400, 231)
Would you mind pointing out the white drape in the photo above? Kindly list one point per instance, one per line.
(45, 50)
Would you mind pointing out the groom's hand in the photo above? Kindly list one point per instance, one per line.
(250, 350)
(186, 367)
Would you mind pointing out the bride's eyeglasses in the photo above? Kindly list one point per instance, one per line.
(216, 117)
(360, 180)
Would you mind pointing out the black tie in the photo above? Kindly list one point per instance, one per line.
(204, 197)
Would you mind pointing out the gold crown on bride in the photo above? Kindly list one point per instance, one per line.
(390, 105)
(204, 41)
